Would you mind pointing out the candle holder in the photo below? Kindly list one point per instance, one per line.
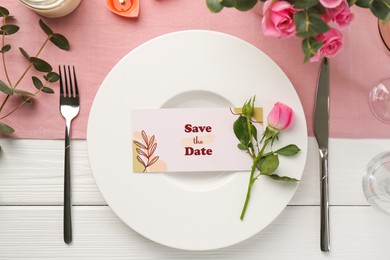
(52, 8)
(125, 8)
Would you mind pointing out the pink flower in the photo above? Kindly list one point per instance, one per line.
(330, 3)
(280, 117)
(341, 14)
(333, 43)
(278, 19)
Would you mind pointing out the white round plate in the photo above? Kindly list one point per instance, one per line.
(193, 211)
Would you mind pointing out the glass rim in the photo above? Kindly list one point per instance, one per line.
(43, 4)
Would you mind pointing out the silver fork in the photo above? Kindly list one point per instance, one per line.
(69, 108)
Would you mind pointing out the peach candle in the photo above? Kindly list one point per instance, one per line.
(125, 8)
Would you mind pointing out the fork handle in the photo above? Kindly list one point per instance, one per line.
(67, 189)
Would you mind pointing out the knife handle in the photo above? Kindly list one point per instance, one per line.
(324, 201)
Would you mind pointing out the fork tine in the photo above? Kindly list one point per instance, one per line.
(61, 79)
(70, 82)
(66, 83)
(75, 82)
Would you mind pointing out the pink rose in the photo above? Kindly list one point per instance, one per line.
(330, 3)
(280, 117)
(333, 43)
(278, 19)
(341, 14)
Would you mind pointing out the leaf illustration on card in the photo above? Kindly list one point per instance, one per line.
(145, 150)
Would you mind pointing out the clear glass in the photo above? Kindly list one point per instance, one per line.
(376, 179)
(376, 182)
(379, 100)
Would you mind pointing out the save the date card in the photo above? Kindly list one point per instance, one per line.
(188, 140)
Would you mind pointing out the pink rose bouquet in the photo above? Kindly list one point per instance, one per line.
(317, 22)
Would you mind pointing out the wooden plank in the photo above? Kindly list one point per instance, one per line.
(35, 232)
(31, 172)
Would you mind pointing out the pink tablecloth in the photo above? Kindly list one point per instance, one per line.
(99, 39)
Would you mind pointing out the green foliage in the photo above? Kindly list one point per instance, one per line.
(43, 68)
(216, 6)
(308, 21)
(266, 163)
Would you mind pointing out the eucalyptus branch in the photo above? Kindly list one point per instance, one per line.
(8, 89)
(24, 102)
(3, 54)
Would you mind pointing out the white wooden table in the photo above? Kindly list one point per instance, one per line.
(31, 197)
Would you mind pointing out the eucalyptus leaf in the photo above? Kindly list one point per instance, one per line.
(47, 90)
(268, 164)
(5, 88)
(6, 129)
(40, 65)
(240, 129)
(52, 77)
(4, 12)
(282, 178)
(214, 6)
(23, 92)
(60, 41)
(45, 27)
(37, 82)
(9, 29)
(5, 48)
(25, 54)
(288, 150)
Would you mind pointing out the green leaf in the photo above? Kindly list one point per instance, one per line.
(23, 92)
(242, 146)
(268, 164)
(309, 24)
(45, 28)
(9, 29)
(5, 48)
(37, 82)
(310, 46)
(381, 9)
(245, 5)
(214, 5)
(363, 3)
(52, 77)
(25, 54)
(240, 129)
(282, 178)
(6, 89)
(288, 150)
(6, 129)
(254, 131)
(302, 4)
(47, 90)
(60, 41)
(40, 65)
(4, 12)
(228, 3)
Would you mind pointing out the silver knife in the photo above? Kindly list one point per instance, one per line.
(321, 131)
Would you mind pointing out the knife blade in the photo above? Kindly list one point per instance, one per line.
(321, 132)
